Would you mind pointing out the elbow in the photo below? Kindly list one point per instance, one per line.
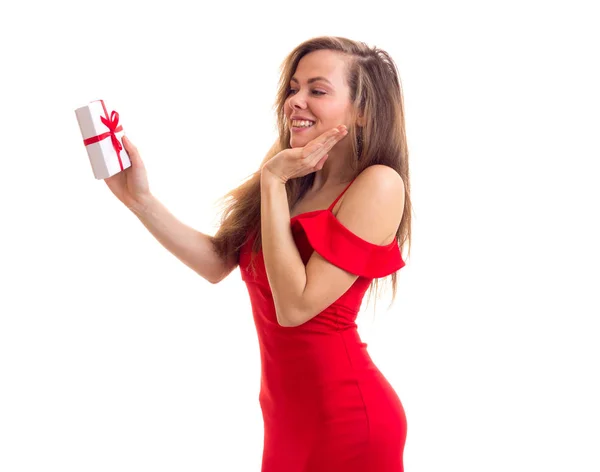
(284, 323)
(284, 318)
(290, 318)
(291, 311)
(213, 279)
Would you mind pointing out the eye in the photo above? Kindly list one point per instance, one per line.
(314, 92)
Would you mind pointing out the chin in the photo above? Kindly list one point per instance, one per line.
(300, 141)
(296, 142)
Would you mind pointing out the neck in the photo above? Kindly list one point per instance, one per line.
(336, 171)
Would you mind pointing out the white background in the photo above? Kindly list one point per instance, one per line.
(114, 356)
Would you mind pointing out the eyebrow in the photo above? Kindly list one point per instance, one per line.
(314, 79)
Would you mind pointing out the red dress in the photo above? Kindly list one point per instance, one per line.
(326, 407)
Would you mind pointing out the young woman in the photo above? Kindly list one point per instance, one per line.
(322, 219)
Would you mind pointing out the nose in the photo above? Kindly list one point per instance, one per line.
(297, 102)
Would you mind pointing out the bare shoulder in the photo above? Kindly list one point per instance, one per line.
(381, 177)
(373, 205)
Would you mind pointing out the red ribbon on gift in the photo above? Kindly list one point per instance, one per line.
(112, 123)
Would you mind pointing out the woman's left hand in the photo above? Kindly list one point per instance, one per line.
(297, 162)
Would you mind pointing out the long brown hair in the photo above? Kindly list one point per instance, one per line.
(376, 93)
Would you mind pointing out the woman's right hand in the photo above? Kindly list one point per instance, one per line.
(130, 186)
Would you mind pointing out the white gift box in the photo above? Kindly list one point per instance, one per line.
(102, 137)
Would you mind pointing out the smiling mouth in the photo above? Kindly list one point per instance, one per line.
(302, 124)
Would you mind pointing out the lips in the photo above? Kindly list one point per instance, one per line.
(300, 118)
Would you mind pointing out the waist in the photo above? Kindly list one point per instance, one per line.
(289, 361)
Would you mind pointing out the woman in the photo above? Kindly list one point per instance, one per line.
(322, 219)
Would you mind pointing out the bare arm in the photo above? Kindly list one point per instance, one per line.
(300, 292)
(193, 248)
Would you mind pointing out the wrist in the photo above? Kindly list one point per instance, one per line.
(268, 177)
(142, 205)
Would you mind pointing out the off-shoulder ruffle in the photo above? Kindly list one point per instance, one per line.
(345, 249)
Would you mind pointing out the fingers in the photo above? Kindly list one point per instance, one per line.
(321, 163)
(326, 142)
(132, 151)
(129, 147)
(334, 135)
(335, 131)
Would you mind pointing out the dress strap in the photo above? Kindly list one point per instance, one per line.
(340, 195)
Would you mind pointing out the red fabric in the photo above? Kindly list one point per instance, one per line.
(334, 242)
(326, 406)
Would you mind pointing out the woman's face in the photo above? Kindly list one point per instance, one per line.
(318, 97)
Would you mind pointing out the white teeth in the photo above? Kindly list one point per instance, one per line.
(302, 123)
